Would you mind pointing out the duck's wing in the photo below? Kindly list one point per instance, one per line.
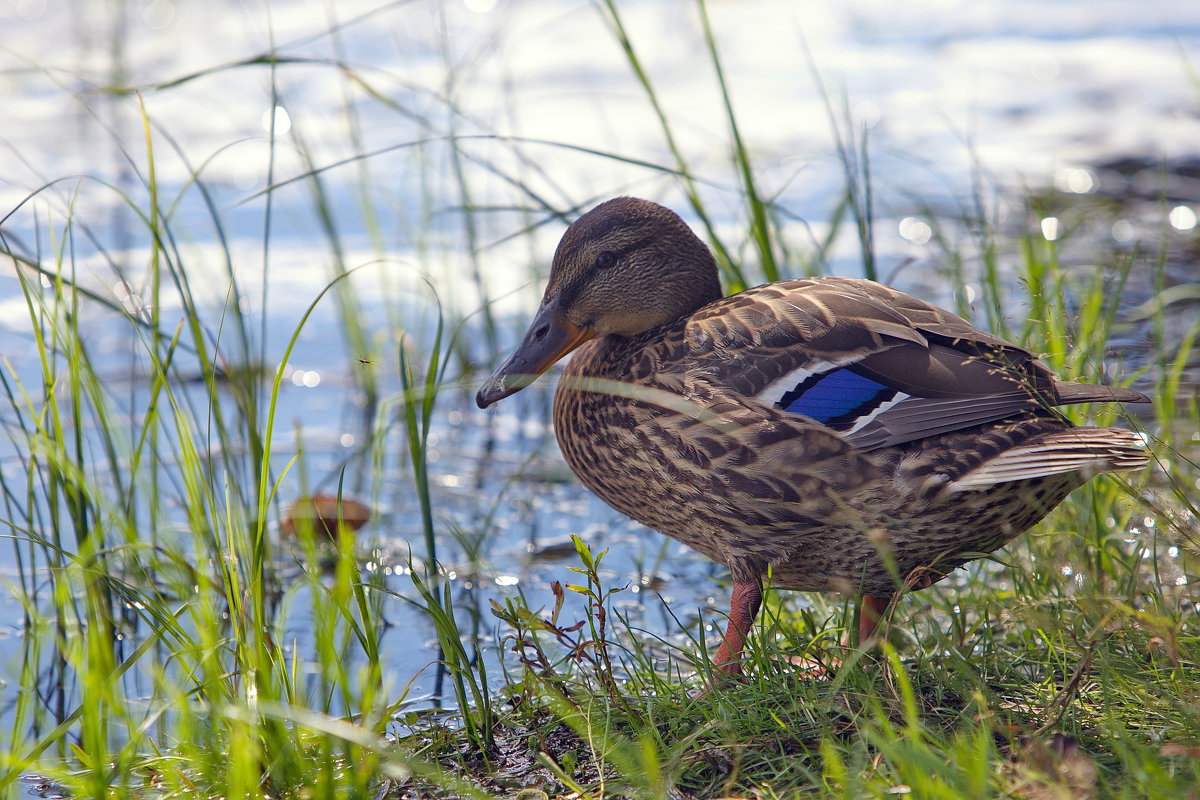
(876, 365)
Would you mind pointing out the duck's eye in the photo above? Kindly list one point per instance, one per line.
(606, 260)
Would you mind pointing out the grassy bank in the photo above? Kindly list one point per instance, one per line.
(175, 643)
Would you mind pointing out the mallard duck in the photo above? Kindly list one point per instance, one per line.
(836, 433)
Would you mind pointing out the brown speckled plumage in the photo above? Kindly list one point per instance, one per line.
(675, 411)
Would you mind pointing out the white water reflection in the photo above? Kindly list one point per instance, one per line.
(1050, 228)
(1077, 180)
(1182, 218)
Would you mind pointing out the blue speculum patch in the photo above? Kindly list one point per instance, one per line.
(836, 398)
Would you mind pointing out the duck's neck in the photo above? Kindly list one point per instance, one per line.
(610, 356)
(711, 291)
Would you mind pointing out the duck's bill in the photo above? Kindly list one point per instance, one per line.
(550, 337)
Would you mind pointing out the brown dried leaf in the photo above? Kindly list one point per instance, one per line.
(322, 512)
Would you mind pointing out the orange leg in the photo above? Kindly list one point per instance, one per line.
(743, 608)
(873, 607)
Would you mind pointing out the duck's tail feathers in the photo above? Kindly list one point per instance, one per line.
(1070, 393)
(1087, 451)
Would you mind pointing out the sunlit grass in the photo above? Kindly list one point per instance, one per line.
(162, 608)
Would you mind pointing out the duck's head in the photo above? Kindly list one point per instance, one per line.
(626, 266)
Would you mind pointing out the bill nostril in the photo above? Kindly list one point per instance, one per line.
(541, 332)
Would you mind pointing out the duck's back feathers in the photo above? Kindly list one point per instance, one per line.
(880, 367)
